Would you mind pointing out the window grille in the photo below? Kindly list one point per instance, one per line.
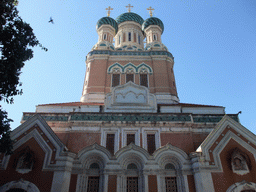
(171, 184)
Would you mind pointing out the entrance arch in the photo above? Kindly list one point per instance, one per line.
(19, 186)
(243, 186)
(16, 190)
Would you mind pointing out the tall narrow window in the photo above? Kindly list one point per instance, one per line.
(105, 36)
(130, 138)
(134, 35)
(139, 39)
(93, 184)
(129, 77)
(119, 39)
(129, 36)
(132, 184)
(123, 37)
(151, 143)
(144, 80)
(155, 37)
(110, 143)
(115, 80)
(171, 184)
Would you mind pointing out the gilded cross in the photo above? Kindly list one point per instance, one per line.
(150, 11)
(129, 7)
(109, 9)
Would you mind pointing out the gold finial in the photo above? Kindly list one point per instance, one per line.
(150, 11)
(109, 9)
(129, 7)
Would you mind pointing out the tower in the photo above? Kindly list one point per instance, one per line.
(128, 59)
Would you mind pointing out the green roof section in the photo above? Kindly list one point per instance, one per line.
(152, 21)
(129, 17)
(107, 21)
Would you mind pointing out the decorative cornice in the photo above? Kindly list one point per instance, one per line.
(144, 117)
(130, 53)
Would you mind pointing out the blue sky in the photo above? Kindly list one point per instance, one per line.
(213, 43)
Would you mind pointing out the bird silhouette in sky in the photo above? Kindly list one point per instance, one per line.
(51, 20)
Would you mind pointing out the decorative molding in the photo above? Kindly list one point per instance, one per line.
(105, 131)
(118, 68)
(130, 53)
(241, 186)
(20, 184)
(130, 97)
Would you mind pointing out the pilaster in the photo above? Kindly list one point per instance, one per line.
(202, 175)
(62, 175)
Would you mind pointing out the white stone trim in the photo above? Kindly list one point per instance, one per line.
(93, 98)
(185, 177)
(105, 131)
(126, 131)
(239, 186)
(145, 132)
(21, 184)
(222, 144)
(203, 181)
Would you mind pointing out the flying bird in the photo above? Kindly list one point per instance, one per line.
(51, 20)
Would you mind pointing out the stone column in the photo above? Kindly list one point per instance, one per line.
(62, 176)
(202, 175)
(145, 182)
(105, 185)
(118, 183)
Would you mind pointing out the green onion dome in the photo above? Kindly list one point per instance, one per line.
(152, 21)
(107, 21)
(129, 16)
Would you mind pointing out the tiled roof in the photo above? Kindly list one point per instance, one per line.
(70, 104)
(188, 105)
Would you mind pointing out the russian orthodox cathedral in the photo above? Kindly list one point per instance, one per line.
(130, 132)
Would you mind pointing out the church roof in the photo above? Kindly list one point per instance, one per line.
(129, 17)
(107, 21)
(70, 104)
(152, 21)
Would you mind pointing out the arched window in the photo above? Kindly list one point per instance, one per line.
(129, 77)
(134, 35)
(155, 37)
(115, 80)
(94, 166)
(119, 40)
(129, 36)
(170, 180)
(144, 80)
(169, 166)
(132, 166)
(139, 39)
(104, 36)
(94, 178)
(133, 181)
